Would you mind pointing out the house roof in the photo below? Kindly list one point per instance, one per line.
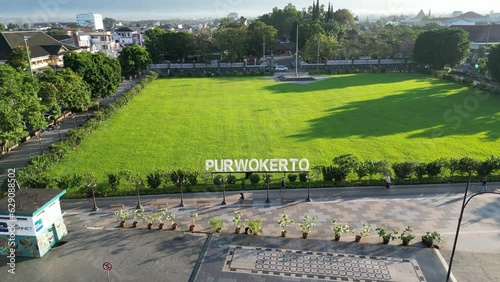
(470, 15)
(420, 15)
(482, 33)
(39, 43)
(124, 29)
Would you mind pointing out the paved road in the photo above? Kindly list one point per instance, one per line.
(18, 157)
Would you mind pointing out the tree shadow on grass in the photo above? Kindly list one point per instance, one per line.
(346, 81)
(427, 112)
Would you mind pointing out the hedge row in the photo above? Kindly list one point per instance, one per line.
(214, 73)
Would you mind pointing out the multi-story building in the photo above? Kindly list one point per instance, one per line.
(90, 20)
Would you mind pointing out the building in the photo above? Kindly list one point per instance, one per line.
(46, 52)
(90, 20)
(37, 222)
(127, 36)
(482, 35)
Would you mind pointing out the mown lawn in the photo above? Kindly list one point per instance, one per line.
(179, 123)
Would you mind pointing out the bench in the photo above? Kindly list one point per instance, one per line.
(116, 206)
(287, 200)
(202, 203)
(245, 202)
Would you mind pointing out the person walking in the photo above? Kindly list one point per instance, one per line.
(283, 184)
(484, 188)
(387, 181)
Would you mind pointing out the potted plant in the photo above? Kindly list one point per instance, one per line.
(193, 218)
(237, 222)
(138, 215)
(159, 217)
(340, 229)
(216, 224)
(122, 216)
(430, 237)
(307, 225)
(284, 223)
(385, 234)
(255, 226)
(150, 219)
(407, 236)
(171, 218)
(246, 226)
(366, 229)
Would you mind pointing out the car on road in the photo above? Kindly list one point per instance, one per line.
(280, 68)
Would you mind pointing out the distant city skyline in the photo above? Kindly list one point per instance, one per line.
(66, 10)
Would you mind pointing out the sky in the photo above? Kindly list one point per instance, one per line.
(53, 10)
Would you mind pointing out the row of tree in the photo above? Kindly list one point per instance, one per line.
(25, 98)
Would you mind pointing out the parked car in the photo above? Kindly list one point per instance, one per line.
(280, 68)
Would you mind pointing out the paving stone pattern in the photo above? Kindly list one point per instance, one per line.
(320, 265)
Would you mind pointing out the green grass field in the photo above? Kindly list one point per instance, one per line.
(179, 123)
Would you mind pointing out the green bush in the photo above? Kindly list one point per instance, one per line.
(404, 170)
(192, 178)
(218, 179)
(154, 179)
(466, 164)
(303, 177)
(231, 179)
(292, 177)
(328, 172)
(254, 179)
(114, 181)
(420, 170)
(434, 168)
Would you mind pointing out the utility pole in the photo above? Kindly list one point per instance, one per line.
(297, 53)
(264, 46)
(317, 62)
(28, 53)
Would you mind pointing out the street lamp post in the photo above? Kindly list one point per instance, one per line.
(309, 187)
(317, 62)
(28, 53)
(268, 180)
(180, 182)
(464, 204)
(92, 187)
(224, 181)
(74, 121)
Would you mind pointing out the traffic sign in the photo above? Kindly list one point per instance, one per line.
(107, 266)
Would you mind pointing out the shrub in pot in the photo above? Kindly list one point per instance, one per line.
(255, 225)
(407, 235)
(216, 224)
(307, 224)
(386, 234)
(430, 237)
(284, 223)
(365, 230)
(339, 229)
(193, 218)
(237, 222)
(122, 216)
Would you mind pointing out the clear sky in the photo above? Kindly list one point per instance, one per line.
(163, 9)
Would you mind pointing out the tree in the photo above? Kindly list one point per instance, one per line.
(12, 26)
(153, 44)
(493, 62)
(177, 45)
(134, 59)
(344, 16)
(63, 90)
(327, 48)
(2, 27)
(56, 31)
(256, 33)
(109, 23)
(18, 59)
(283, 20)
(231, 43)
(440, 47)
(20, 108)
(101, 72)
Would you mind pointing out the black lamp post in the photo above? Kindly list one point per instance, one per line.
(180, 182)
(137, 184)
(464, 204)
(309, 187)
(224, 181)
(74, 121)
(268, 180)
(92, 187)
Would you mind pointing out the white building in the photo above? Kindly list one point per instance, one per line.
(90, 20)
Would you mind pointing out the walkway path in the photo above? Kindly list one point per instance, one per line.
(18, 157)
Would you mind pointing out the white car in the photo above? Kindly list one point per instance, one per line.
(280, 68)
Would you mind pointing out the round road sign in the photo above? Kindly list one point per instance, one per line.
(107, 266)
